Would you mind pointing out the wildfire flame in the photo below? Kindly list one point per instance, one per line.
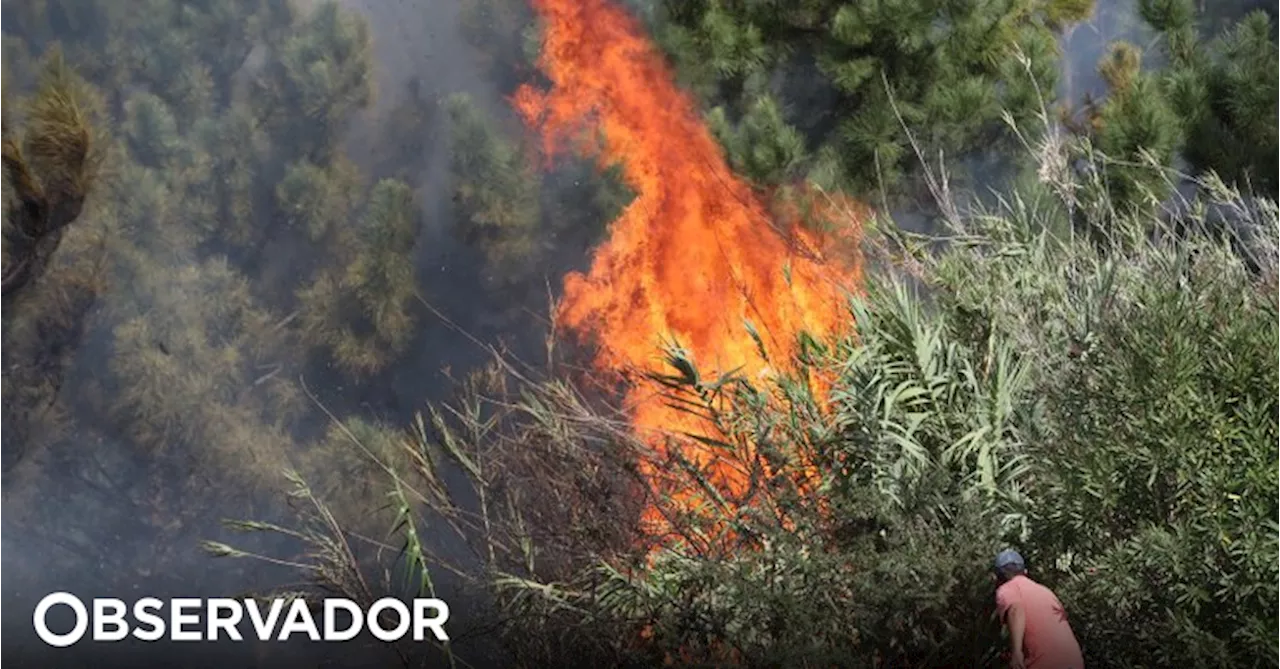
(694, 256)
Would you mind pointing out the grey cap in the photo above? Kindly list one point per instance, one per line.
(1010, 558)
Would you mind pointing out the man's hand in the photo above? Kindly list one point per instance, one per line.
(1016, 661)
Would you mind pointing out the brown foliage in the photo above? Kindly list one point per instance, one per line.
(51, 169)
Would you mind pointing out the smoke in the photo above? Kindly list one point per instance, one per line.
(104, 519)
(1083, 46)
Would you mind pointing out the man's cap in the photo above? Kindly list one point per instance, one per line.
(1009, 558)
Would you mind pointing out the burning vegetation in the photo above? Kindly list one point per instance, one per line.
(694, 261)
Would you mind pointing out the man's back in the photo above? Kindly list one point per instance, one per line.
(1048, 641)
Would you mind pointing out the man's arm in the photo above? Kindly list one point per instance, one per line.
(1016, 619)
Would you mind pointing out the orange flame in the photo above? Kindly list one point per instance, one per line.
(694, 255)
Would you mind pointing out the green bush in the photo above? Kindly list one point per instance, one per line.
(1160, 465)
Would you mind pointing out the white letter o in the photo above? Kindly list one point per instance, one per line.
(61, 640)
(375, 627)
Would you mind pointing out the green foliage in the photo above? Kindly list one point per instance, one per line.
(515, 218)
(918, 461)
(1231, 130)
(1160, 464)
(319, 200)
(316, 78)
(387, 234)
(348, 462)
(1225, 91)
(148, 218)
(1168, 15)
(953, 67)
(151, 129)
(1109, 405)
(495, 193)
(1139, 129)
(1150, 445)
(361, 311)
(195, 373)
(1062, 13)
(182, 51)
(224, 196)
(763, 147)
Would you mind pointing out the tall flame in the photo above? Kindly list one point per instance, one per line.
(694, 256)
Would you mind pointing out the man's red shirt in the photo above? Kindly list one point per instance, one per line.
(1047, 642)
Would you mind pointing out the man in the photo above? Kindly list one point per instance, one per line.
(1039, 635)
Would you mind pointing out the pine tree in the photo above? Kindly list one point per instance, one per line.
(361, 310)
(142, 353)
(825, 71)
(315, 79)
(163, 43)
(237, 147)
(187, 357)
(319, 200)
(63, 20)
(762, 146)
(150, 218)
(1226, 91)
(495, 193)
(1135, 128)
(151, 129)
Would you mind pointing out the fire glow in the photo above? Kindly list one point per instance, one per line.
(694, 256)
